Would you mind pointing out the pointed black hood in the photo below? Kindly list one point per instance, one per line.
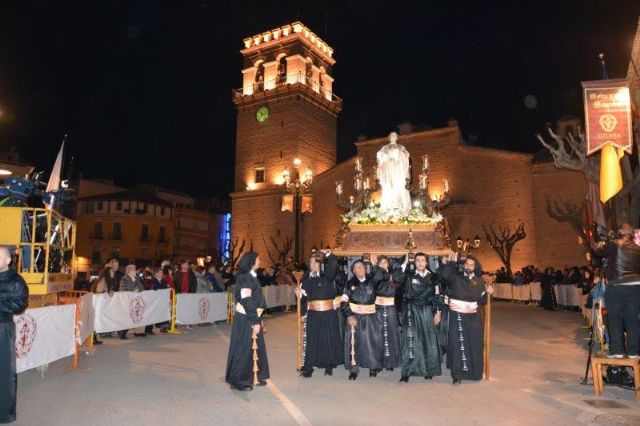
(246, 261)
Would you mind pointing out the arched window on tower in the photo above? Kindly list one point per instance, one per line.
(259, 81)
(282, 70)
(321, 79)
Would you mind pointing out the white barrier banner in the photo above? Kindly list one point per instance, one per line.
(44, 335)
(128, 309)
(279, 295)
(198, 308)
(87, 317)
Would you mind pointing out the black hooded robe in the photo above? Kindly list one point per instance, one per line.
(465, 343)
(323, 344)
(367, 337)
(387, 315)
(240, 358)
(14, 297)
(421, 344)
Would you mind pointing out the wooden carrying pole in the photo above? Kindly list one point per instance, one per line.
(254, 346)
(299, 331)
(487, 337)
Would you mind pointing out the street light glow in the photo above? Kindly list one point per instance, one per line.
(5, 172)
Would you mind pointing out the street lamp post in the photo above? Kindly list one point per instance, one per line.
(297, 185)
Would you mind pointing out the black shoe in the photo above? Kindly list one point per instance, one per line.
(261, 383)
(139, 334)
(457, 381)
(242, 388)
(306, 373)
(373, 373)
(389, 369)
(97, 342)
(328, 371)
(428, 377)
(404, 379)
(353, 376)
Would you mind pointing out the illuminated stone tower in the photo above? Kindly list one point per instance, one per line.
(286, 110)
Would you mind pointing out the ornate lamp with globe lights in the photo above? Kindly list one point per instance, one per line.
(297, 185)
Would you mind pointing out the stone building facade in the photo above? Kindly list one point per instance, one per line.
(487, 186)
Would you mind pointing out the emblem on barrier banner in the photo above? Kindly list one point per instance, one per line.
(204, 306)
(26, 331)
(136, 309)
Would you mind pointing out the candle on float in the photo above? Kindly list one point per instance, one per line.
(339, 187)
(358, 164)
(358, 183)
(425, 162)
(446, 185)
(423, 181)
(366, 183)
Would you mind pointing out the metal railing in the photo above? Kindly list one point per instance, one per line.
(282, 81)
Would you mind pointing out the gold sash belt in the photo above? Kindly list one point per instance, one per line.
(362, 309)
(240, 310)
(336, 302)
(385, 300)
(321, 305)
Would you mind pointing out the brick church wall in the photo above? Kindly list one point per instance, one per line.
(557, 243)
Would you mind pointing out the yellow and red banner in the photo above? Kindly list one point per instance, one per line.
(607, 110)
(608, 125)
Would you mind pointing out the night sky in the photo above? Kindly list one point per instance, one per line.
(143, 88)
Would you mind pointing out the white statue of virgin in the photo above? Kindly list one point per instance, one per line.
(392, 173)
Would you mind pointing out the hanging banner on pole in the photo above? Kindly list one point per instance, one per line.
(607, 111)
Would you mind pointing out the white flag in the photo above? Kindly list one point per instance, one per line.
(54, 178)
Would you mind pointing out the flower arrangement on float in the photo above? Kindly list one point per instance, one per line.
(372, 215)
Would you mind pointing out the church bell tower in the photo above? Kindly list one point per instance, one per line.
(286, 110)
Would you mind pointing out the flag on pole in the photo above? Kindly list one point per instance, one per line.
(610, 172)
(54, 178)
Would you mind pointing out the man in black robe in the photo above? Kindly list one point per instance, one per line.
(14, 297)
(386, 287)
(363, 339)
(323, 344)
(465, 290)
(246, 324)
(421, 352)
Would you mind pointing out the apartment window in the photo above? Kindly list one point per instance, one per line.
(100, 206)
(145, 232)
(161, 211)
(97, 230)
(119, 205)
(95, 256)
(162, 234)
(89, 207)
(117, 231)
(259, 175)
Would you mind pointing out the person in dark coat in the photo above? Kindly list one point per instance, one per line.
(250, 305)
(548, 300)
(323, 344)
(421, 343)
(14, 298)
(386, 287)
(466, 291)
(363, 339)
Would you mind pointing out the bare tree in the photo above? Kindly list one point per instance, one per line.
(572, 214)
(570, 153)
(281, 248)
(235, 250)
(503, 241)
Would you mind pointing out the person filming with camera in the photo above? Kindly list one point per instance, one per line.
(622, 272)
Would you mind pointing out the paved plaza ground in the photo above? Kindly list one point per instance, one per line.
(538, 358)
